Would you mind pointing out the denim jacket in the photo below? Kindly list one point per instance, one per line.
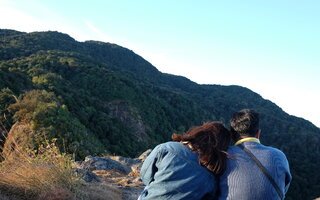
(172, 171)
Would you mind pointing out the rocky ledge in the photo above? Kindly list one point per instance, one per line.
(120, 174)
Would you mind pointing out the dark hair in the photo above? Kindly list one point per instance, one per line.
(244, 123)
(210, 141)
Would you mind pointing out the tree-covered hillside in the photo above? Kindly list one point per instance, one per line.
(100, 98)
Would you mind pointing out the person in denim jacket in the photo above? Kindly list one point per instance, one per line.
(187, 167)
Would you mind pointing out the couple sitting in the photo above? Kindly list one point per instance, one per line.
(201, 165)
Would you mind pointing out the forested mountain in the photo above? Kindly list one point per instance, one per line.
(98, 98)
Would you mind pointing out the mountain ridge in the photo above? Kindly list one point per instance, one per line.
(95, 98)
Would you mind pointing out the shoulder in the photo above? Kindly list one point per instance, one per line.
(177, 149)
(233, 149)
(269, 153)
(171, 147)
(259, 150)
(274, 151)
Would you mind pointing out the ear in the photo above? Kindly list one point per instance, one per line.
(258, 134)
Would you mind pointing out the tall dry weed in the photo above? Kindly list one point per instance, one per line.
(44, 174)
(28, 174)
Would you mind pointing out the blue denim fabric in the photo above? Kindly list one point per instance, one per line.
(172, 171)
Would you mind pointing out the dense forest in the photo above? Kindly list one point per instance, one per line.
(98, 98)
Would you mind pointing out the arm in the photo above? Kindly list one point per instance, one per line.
(149, 168)
(288, 176)
(288, 181)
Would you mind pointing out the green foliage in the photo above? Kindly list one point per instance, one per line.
(97, 97)
(6, 98)
(49, 119)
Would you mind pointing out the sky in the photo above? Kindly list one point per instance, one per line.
(271, 47)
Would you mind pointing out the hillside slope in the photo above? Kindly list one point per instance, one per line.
(98, 98)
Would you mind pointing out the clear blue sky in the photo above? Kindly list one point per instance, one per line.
(272, 47)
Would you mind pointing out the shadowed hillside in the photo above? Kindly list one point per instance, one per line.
(99, 98)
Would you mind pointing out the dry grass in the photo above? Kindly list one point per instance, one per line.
(57, 194)
(45, 174)
(100, 191)
(28, 174)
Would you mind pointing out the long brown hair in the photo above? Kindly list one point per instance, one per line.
(210, 141)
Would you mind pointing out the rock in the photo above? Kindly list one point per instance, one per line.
(131, 118)
(125, 161)
(144, 155)
(118, 172)
(103, 163)
(87, 176)
(135, 168)
(137, 181)
(133, 163)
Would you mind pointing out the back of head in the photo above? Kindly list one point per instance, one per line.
(244, 123)
(210, 141)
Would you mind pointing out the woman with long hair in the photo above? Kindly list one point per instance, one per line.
(187, 167)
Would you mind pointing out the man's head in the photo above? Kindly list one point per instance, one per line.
(245, 123)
